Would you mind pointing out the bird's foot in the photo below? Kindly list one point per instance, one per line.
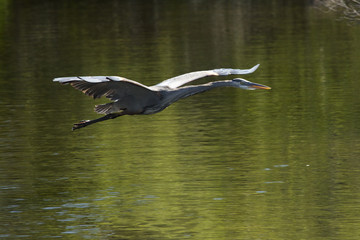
(81, 124)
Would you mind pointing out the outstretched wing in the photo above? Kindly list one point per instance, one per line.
(113, 87)
(188, 77)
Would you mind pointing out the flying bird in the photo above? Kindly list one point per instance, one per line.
(132, 98)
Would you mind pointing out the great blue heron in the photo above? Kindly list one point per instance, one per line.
(130, 97)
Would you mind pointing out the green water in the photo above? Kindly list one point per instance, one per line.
(225, 164)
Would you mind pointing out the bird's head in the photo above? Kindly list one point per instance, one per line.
(247, 85)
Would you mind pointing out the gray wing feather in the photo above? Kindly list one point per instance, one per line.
(188, 77)
(113, 87)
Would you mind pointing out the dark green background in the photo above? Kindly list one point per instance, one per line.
(225, 164)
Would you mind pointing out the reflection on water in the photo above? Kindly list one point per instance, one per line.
(226, 164)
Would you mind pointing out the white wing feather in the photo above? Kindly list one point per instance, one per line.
(188, 77)
(113, 87)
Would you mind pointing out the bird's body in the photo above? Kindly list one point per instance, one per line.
(131, 98)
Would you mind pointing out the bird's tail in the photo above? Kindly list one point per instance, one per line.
(107, 108)
(103, 108)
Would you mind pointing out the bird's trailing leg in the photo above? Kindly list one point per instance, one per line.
(85, 123)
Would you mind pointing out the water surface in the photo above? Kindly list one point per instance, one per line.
(226, 164)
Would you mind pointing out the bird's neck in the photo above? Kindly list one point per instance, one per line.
(187, 91)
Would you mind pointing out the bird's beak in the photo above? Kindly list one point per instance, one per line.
(259, 86)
